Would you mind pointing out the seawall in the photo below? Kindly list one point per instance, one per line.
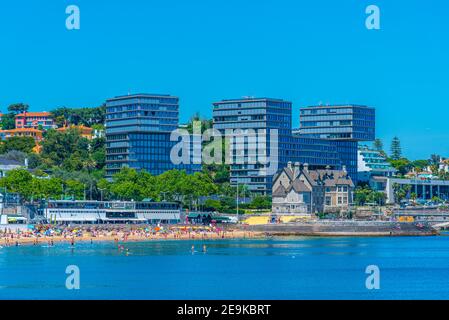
(345, 228)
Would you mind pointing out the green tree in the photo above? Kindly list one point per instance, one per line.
(212, 205)
(361, 195)
(67, 149)
(378, 145)
(400, 191)
(18, 181)
(260, 202)
(402, 165)
(129, 184)
(18, 108)
(377, 197)
(434, 159)
(50, 188)
(420, 164)
(8, 121)
(396, 150)
(74, 188)
(85, 116)
(24, 144)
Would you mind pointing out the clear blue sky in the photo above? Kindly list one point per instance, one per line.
(206, 50)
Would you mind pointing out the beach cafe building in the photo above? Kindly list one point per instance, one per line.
(424, 189)
(110, 212)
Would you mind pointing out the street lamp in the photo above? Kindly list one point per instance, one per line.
(237, 200)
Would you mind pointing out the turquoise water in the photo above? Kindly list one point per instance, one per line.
(290, 268)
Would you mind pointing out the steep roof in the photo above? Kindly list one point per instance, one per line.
(299, 186)
(332, 178)
(280, 192)
(320, 177)
(34, 114)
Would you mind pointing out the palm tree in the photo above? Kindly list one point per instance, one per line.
(89, 164)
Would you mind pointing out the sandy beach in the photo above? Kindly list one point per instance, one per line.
(51, 234)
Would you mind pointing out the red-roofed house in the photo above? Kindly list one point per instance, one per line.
(35, 120)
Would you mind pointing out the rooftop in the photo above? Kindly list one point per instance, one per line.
(249, 99)
(8, 162)
(337, 106)
(34, 114)
(22, 130)
(141, 95)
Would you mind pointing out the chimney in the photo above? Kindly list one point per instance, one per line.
(297, 170)
(289, 164)
(344, 168)
(306, 167)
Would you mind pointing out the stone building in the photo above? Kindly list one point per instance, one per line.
(298, 190)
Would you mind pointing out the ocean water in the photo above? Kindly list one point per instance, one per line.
(278, 268)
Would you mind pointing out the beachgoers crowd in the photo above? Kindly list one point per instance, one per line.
(118, 233)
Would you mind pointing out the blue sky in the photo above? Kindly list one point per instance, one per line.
(206, 50)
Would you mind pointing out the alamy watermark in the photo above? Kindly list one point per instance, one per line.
(233, 146)
(372, 22)
(72, 281)
(372, 282)
(73, 21)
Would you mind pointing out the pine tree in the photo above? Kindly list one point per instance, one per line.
(378, 145)
(396, 152)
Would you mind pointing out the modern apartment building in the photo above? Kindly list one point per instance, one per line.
(35, 120)
(372, 163)
(255, 160)
(138, 129)
(344, 125)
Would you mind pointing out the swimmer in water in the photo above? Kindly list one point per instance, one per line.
(193, 249)
(204, 249)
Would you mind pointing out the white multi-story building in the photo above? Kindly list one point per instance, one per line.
(372, 163)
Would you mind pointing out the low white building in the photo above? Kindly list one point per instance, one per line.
(8, 165)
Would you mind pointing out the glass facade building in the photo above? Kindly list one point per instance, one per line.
(255, 160)
(344, 125)
(138, 129)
